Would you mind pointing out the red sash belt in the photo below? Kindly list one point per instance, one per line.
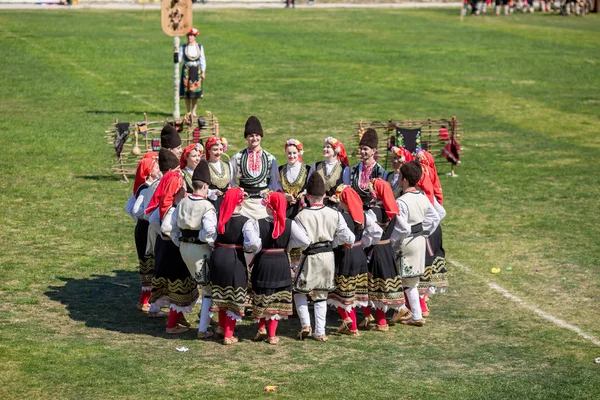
(229, 246)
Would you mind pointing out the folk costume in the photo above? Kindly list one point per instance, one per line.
(135, 209)
(220, 172)
(229, 274)
(173, 284)
(385, 284)
(270, 239)
(194, 231)
(255, 172)
(332, 171)
(351, 270)
(293, 178)
(417, 219)
(194, 63)
(187, 172)
(436, 274)
(395, 178)
(359, 176)
(326, 229)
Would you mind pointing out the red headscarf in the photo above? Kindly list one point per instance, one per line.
(339, 149)
(348, 196)
(186, 153)
(143, 169)
(401, 153)
(278, 204)
(298, 145)
(233, 197)
(212, 140)
(383, 191)
(164, 196)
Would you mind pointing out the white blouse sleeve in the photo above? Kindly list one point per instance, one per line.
(298, 237)
(439, 208)
(372, 233)
(138, 206)
(401, 226)
(208, 233)
(432, 221)
(169, 226)
(202, 59)
(129, 207)
(252, 242)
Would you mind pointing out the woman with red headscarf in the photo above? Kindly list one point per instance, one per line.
(385, 285)
(351, 276)
(146, 173)
(293, 176)
(270, 239)
(220, 171)
(228, 273)
(173, 284)
(331, 169)
(190, 158)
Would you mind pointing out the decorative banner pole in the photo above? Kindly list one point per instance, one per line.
(176, 20)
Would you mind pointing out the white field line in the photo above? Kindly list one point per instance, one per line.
(79, 68)
(556, 321)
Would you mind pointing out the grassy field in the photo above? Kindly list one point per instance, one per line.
(526, 87)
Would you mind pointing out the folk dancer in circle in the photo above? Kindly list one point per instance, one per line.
(254, 170)
(417, 219)
(399, 156)
(326, 228)
(293, 176)
(270, 239)
(220, 171)
(360, 175)
(146, 173)
(331, 169)
(351, 272)
(194, 231)
(190, 157)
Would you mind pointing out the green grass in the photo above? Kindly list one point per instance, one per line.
(526, 88)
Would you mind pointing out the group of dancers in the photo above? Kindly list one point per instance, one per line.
(350, 237)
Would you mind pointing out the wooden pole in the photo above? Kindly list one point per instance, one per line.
(176, 114)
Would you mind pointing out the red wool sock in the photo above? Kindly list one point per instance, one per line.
(229, 327)
(222, 318)
(173, 318)
(423, 304)
(262, 323)
(145, 296)
(406, 302)
(367, 311)
(273, 327)
(380, 315)
(343, 313)
(352, 315)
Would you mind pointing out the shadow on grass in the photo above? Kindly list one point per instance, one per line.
(131, 112)
(112, 177)
(109, 302)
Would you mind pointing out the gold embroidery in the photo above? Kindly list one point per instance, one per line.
(220, 179)
(295, 187)
(332, 178)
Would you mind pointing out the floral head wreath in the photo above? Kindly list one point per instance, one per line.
(297, 143)
(265, 197)
(199, 148)
(339, 190)
(399, 153)
(213, 140)
(334, 143)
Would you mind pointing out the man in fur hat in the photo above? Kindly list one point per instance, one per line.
(194, 230)
(170, 140)
(254, 170)
(326, 228)
(360, 175)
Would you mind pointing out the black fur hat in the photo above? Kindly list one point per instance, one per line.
(253, 126)
(169, 137)
(167, 160)
(369, 138)
(315, 185)
(201, 172)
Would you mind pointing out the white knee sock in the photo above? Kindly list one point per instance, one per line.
(302, 309)
(205, 314)
(415, 305)
(320, 317)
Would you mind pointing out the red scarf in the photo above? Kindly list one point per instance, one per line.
(354, 203)
(384, 192)
(232, 198)
(143, 170)
(164, 196)
(278, 204)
